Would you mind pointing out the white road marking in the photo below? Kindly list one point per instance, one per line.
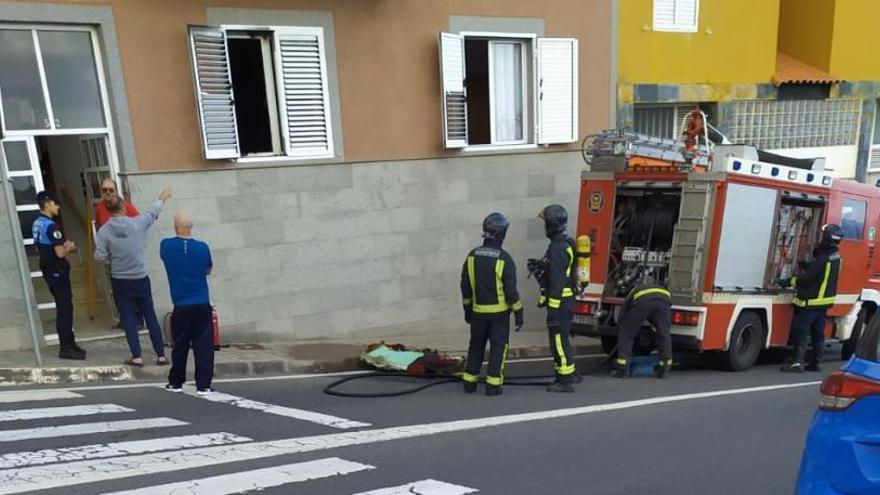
(61, 412)
(81, 472)
(423, 487)
(87, 429)
(256, 480)
(100, 451)
(35, 395)
(289, 412)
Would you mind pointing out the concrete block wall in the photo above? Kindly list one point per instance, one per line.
(13, 318)
(331, 250)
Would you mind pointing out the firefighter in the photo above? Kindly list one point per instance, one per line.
(53, 250)
(488, 291)
(816, 287)
(558, 296)
(651, 303)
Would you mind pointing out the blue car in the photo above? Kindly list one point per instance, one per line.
(842, 454)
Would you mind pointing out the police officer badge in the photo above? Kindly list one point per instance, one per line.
(57, 235)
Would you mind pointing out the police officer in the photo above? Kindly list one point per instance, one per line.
(645, 302)
(558, 296)
(816, 287)
(488, 291)
(54, 250)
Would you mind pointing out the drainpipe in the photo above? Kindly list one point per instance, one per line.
(615, 18)
(23, 273)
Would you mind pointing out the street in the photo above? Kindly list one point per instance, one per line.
(702, 431)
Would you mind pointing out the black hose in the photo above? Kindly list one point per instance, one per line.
(440, 380)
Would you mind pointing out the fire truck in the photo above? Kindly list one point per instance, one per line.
(718, 225)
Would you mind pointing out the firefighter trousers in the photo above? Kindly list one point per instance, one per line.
(495, 330)
(559, 327)
(808, 324)
(656, 312)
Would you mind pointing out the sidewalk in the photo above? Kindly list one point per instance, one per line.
(105, 357)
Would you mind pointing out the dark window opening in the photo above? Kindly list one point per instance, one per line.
(476, 55)
(252, 108)
(803, 92)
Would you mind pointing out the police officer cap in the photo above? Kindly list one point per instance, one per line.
(45, 196)
(832, 232)
(495, 226)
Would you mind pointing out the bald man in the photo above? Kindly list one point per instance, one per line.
(188, 263)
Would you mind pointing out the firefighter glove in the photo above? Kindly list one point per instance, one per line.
(518, 319)
(468, 313)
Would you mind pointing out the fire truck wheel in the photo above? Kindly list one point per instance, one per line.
(849, 345)
(746, 341)
(609, 344)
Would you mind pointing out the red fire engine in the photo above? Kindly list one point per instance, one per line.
(717, 225)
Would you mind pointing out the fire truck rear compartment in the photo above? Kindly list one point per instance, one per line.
(641, 237)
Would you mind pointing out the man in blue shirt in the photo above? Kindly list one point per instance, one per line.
(53, 249)
(188, 263)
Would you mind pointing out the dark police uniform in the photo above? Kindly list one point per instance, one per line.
(56, 273)
(650, 303)
(559, 299)
(488, 290)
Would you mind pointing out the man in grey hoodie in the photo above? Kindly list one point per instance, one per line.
(121, 242)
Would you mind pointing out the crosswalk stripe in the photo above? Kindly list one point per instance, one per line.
(289, 412)
(35, 395)
(99, 451)
(61, 412)
(423, 487)
(87, 428)
(82, 472)
(258, 479)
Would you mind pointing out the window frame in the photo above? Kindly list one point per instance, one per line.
(874, 149)
(675, 27)
(862, 203)
(528, 41)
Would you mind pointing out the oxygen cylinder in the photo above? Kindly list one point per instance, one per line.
(582, 253)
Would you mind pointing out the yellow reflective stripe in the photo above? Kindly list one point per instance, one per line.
(570, 253)
(794, 281)
(503, 361)
(560, 351)
(466, 301)
(824, 280)
(621, 361)
(565, 370)
(501, 305)
(499, 283)
(567, 292)
(542, 299)
(554, 303)
(471, 277)
(655, 290)
(825, 301)
(667, 362)
(516, 306)
(494, 380)
(469, 377)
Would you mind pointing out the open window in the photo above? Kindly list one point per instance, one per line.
(262, 92)
(493, 95)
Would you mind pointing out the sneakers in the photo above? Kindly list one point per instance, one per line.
(792, 368)
(560, 387)
(469, 388)
(173, 388)
(813, 367)
(205, 391)
(72, 352)
(493, 390)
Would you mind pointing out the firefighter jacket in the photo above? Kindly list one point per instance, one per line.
(643, 293)
(560, 275)
(488, 281)
(817, 285)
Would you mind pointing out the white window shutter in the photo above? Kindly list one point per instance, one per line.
(676, 15)
(214, 96)
(453, 91)
(557, 90)
(304, 99)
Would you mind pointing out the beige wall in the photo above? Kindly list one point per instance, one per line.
(386, 59)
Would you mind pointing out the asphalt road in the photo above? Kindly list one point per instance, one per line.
(699, 432)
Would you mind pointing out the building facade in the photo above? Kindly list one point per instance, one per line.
(338, 156)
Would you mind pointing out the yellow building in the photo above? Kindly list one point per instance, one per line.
(793, 76)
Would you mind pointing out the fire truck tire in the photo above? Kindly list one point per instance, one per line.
(609, 343)
(746, 342)
(849, 345)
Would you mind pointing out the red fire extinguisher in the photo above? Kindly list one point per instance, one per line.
(215, 325)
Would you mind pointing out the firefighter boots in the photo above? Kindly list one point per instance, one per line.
(620, 369)
(469, 387)
(493, 390)
(560, 387)
(793, 368)
(662, 370)
(813, 367)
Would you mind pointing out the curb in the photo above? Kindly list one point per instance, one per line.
(10, 377)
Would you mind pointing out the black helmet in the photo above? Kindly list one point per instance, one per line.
(555, 217)
(832, 234)
(495, 226)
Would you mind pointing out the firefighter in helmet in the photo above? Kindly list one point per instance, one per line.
(488, 291)
(816, 287)
(649, 303)
(558, 295)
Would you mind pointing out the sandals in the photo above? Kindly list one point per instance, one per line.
(162, 361)
(131, 362)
